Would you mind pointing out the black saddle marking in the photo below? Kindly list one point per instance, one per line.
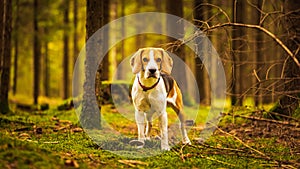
(169, 81)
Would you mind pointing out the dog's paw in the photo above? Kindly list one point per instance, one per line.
(165, 147)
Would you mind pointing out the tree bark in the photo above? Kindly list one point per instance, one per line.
(201, 73)
(175, 7)
(36, 53)
(120, 74)
(256, 17)
(5, 54)
(1, 38)
(237, 58)
(139, 41)
(287, 104)
(16, 45)
(46, 70)
(75, 33)
(90, 117)
(105, 72)
(66, 51)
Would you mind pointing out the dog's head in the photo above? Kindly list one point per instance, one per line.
(151, 61)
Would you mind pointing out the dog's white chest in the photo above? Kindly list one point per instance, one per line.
(142, 103)
(153, 100)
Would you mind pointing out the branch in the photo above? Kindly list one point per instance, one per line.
(270, 34)
(264, 119)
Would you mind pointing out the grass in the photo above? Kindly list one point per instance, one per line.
(54, 139)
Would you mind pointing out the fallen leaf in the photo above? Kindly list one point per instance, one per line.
(77, 129)
(72, 163)
(54, 119)
(132, 163)
(24, 136)
(65, 121)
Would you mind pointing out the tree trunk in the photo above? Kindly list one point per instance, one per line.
(6, 55)
(66, 51)
(120, 74)
(237, 57)
(75, 33)
(201, 73)
(256, 17)
(113, 52)
(90, 117)
(1, 38)
(175, 7)
(36, 53)
(288, 103)
(139, 41)
(46, 71)
(105, 72)
(16, 45)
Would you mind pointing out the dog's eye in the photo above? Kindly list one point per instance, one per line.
(158, 60)
(145, 59)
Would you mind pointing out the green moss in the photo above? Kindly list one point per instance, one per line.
(51, 148)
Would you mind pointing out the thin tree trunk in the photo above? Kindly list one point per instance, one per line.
(36, 53)
(1, 38)
(175, 7)
(201, 73)
(113, 52)
(6, 55)
(46, 71)
(16, 52)
(287, 104)
(75, 33)
(66, 52)
(258, 54)
(120, 74)
(237, 80)
(105, 72)
(139, 41)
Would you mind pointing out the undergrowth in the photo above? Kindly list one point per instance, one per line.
(54, 139)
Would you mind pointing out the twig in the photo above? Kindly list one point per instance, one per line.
(181, 152)
(264, 119)
(215, 160)
(285, 116)
(50, 142)
(220, 148)
(255, 74)
(255, 150)
(270, 34)
(246, 145)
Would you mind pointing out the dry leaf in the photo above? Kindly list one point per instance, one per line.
(24, 136)
(77, 129)
(72, 163)
(132, 163)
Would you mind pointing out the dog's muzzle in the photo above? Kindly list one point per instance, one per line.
(152, 73)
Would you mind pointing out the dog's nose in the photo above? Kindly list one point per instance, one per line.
(152, 71)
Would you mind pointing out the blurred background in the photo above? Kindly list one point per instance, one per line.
(257, 41)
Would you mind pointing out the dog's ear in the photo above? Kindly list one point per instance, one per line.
(135, 62)
(167, 63)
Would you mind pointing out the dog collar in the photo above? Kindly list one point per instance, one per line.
(145, 88)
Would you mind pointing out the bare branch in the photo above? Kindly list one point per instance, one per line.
(270, 34)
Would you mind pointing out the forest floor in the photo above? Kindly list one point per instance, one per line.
(54, 139)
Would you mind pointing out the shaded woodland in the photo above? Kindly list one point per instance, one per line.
(41, 42)
(256, 40)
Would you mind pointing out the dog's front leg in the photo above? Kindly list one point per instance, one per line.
(164, 131)
(149, 125)
(140, 121)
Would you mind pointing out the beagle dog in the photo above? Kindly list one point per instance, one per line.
(153, 89)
